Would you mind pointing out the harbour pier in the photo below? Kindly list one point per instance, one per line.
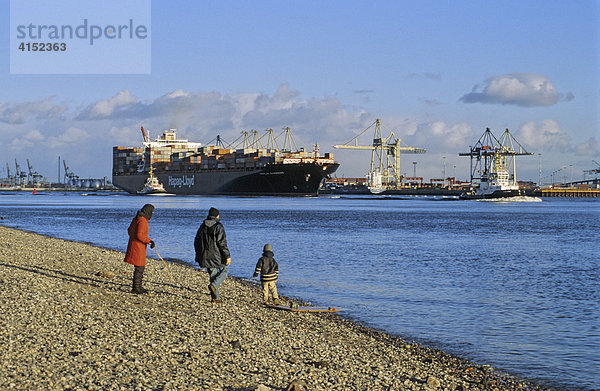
(571, 192)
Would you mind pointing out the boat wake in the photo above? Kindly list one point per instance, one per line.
(512, 199)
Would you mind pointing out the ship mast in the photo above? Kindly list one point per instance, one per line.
(148, 144)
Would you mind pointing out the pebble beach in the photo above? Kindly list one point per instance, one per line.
(69, 321)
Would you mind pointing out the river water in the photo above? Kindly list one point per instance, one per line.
(512, 284)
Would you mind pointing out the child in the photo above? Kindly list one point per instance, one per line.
(269, 272)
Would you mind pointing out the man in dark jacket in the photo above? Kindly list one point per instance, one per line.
(212, 252)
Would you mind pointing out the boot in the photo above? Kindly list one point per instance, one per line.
(138, 275)
(213, 291)
(139, 291)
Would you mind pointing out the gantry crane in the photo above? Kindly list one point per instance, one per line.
(10, 178)
(68, 174)
(593, 171)
(490, 155)
(20, 176)
(34, 178)
(384, 171)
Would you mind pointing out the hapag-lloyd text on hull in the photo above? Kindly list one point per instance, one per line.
(181, 181)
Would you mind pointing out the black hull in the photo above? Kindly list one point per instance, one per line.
(496, 194)
(300, 179)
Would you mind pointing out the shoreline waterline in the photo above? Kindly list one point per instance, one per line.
(67, 326)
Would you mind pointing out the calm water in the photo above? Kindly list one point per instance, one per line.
(515, 285)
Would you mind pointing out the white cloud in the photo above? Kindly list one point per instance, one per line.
(127, 135)
(106, 108)
(69, 138)
(520, 89)
(201, 116)
(34, 135)
(590, 148)
(177, 94)
(311, 119)
(438, 136)
(18, 145)
(546, 136)
(20, 112)
(27, 141)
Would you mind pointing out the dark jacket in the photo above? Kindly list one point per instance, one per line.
(211, 244)
(267, 267)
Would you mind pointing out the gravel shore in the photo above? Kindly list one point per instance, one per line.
(69, 321)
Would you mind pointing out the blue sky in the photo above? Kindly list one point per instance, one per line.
(436, 72)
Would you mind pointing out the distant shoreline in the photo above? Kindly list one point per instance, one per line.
(66, 326)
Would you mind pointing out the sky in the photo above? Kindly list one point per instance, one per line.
(437, 73)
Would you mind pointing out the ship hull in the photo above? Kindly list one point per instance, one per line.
(300, 179)
(491, 195)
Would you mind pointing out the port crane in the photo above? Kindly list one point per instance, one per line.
(593, 171)
(490, 154)
(34, 178)
(69, 174)
(20, 176)
(384, 171)
(10, 178)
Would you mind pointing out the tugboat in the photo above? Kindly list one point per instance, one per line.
(495, 184)
(375, 183)
(492, 161)
(152, 185)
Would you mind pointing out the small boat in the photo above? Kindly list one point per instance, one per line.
(375, 182)
(488, 190)
(496, 184)
(152, 186)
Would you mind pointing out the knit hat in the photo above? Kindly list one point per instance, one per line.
(213, 212)
(267, 248)
(146, 211)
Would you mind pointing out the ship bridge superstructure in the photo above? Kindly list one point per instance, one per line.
(167, 139)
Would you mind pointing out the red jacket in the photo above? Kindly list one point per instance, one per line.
(138, 239)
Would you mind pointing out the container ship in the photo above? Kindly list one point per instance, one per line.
(177, 166)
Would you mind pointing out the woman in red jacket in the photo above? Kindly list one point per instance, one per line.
(136, 247)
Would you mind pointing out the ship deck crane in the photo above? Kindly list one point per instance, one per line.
(490, 153)
(385, 155)
(253, 140)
